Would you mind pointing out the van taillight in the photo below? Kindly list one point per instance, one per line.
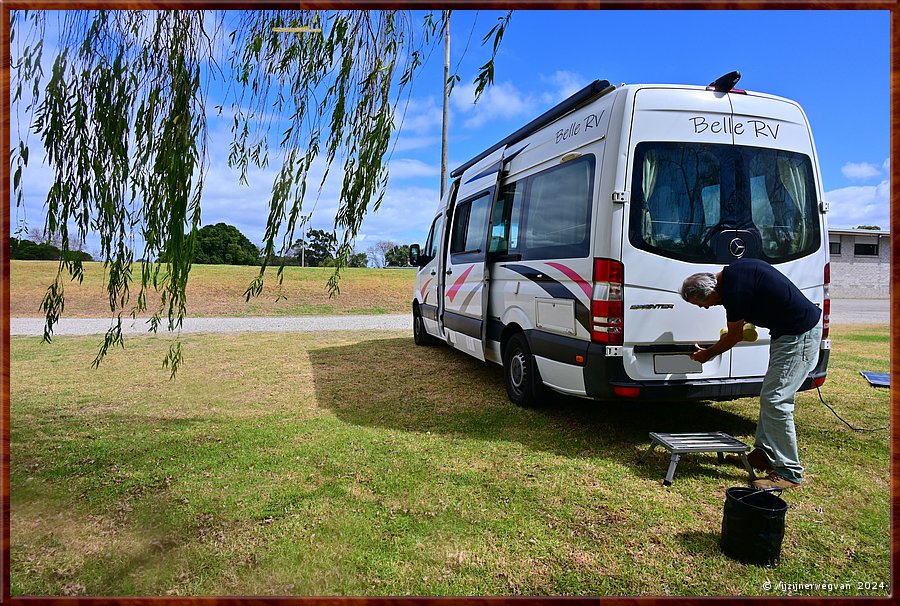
(627, 392)
(826, 303)
(607, 307)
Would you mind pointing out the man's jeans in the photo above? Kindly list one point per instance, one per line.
(791, 358)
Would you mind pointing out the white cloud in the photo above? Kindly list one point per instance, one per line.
(405, 216)
(418, 116)
(410, 169)
(505, 101)
(565, 85)
(860, 205)
(501, 100)
(228, 113)
(860, 170)
(887, 166)
(405, 144)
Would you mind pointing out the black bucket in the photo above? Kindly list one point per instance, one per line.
(753, 526)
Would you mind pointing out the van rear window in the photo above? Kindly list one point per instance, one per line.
(684, 195)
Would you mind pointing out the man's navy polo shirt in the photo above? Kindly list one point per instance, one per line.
(754, 291)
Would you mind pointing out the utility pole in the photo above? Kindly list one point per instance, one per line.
(303, 244)
(444, 125)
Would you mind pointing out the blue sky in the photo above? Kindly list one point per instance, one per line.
(834, 63)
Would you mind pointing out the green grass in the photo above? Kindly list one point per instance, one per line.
(358, 464)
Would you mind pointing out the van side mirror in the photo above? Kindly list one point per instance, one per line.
(414, 255)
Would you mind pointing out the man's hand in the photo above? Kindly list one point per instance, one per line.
(701, 355)
(727, 341)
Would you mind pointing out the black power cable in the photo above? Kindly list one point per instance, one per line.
(842, 420)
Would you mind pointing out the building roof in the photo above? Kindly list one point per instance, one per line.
(858, 232)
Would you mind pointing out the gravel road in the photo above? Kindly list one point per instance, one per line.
(843, 311)
(91, 326)
(860, 311)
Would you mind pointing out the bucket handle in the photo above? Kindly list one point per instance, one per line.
(770, 490)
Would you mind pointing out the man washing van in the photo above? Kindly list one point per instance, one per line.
(753, 291)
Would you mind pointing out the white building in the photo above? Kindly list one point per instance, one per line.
(860, 263)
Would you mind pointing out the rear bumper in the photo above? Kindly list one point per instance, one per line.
(602, 375)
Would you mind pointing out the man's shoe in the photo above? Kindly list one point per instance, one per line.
(773, 480)
(759, 460)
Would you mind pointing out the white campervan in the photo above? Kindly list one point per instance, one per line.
(560, 251)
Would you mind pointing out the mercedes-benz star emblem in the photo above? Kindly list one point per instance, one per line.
(737, 248)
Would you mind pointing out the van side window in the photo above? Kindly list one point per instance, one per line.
(558, 211)
(431, 245)
(505, 219)
(470, 228)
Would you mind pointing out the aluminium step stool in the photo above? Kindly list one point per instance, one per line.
(682, 443)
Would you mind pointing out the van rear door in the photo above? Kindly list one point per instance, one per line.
(670, 169)
(784, 190)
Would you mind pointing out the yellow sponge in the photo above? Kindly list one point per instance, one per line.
(750, 333)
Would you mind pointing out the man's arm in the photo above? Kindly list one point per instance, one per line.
(734, 336)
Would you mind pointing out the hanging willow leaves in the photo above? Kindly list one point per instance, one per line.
(485, 75)
(122, 117)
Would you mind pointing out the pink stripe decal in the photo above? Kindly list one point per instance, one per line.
(423, 292)
(458, 284)
(573, 275)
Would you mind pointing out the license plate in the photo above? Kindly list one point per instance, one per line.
(675, 364)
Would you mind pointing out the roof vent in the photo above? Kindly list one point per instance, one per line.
(725, 83)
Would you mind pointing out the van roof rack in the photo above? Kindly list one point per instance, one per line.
(597, 88)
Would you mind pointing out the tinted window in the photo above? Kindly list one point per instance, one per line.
(684, 194)
(834, 248)
(505, 220)
(865, 250)
(431, 246)
(470, 226)
(557, 215)
(681, 194)
(782, 202)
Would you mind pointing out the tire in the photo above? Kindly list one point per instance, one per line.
(421, 337)
(523, 381)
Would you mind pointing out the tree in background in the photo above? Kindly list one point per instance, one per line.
(320, 247)
(323, 254)
(37, 236)
(358, 260)
(378, 252)
(397, 256)
(21, 249)
(222, 244)
(131, 88)
(872, 227)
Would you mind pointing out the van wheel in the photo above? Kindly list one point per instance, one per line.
(419, 335)
(523, 381)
